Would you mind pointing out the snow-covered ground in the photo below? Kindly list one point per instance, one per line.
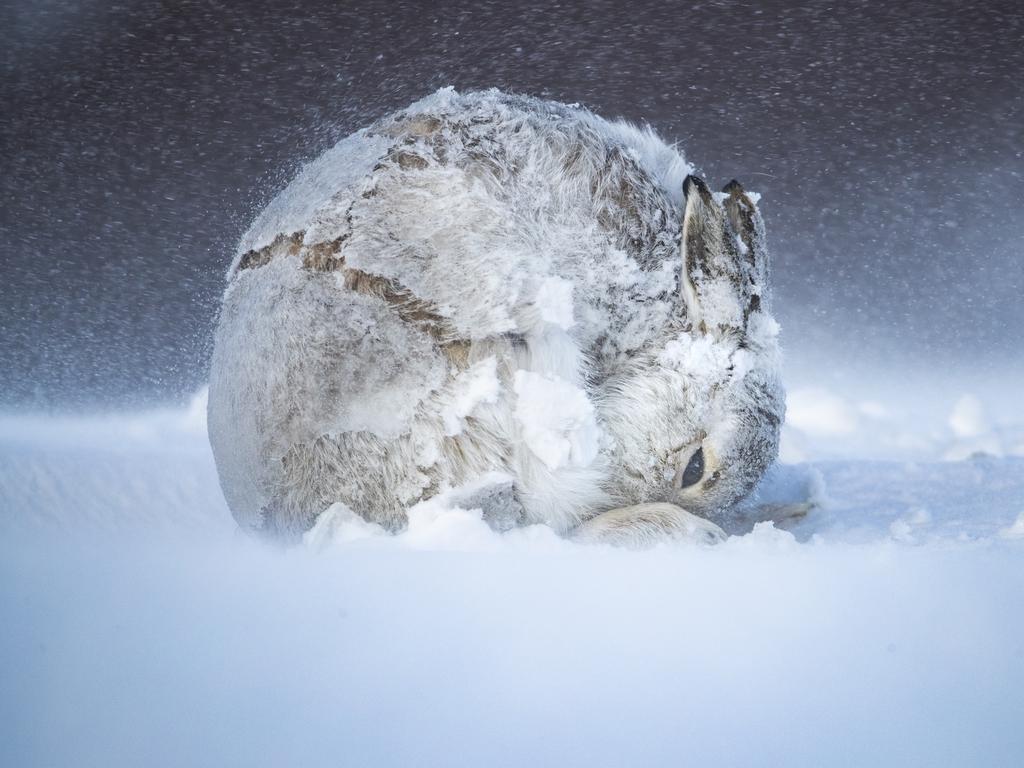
(884, 628)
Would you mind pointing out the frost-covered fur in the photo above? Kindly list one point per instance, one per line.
(492, 286)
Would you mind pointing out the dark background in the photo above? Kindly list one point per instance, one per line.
(139, 139)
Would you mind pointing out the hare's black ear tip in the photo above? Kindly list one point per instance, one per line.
(694, 182)
(733, 187)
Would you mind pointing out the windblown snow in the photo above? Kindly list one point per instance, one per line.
(886, 627)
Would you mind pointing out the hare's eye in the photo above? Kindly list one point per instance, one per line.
(694, 469)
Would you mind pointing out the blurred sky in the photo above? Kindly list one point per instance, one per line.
(138, 139)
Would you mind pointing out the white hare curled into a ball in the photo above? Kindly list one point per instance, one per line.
(509, 300)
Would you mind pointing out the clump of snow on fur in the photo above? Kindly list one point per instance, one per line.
(720, 304)
(700, 356)
(554, 301)
(470, 388)
(556, 419)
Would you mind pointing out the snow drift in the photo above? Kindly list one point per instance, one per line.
(139, 629)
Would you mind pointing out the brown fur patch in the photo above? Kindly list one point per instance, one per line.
(323, 257)
(457, 352)
(413, 310)
(417, 125)
(328, 257)
(282, 245)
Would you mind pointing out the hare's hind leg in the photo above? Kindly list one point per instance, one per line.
(644, 525)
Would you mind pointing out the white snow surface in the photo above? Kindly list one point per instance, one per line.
(884, 628)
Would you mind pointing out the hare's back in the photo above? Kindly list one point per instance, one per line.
(488, 209)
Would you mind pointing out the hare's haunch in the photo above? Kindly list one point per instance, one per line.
(503, 294)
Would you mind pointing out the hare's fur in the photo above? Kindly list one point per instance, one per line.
(400, 319)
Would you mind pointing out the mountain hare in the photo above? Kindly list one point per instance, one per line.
(504, 295)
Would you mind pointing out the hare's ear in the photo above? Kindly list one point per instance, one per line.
(724, 267)
(748, 227)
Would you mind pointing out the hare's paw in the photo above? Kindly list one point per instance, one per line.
(644, 525)
(496, 497)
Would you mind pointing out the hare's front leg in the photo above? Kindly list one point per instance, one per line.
(644, 525)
